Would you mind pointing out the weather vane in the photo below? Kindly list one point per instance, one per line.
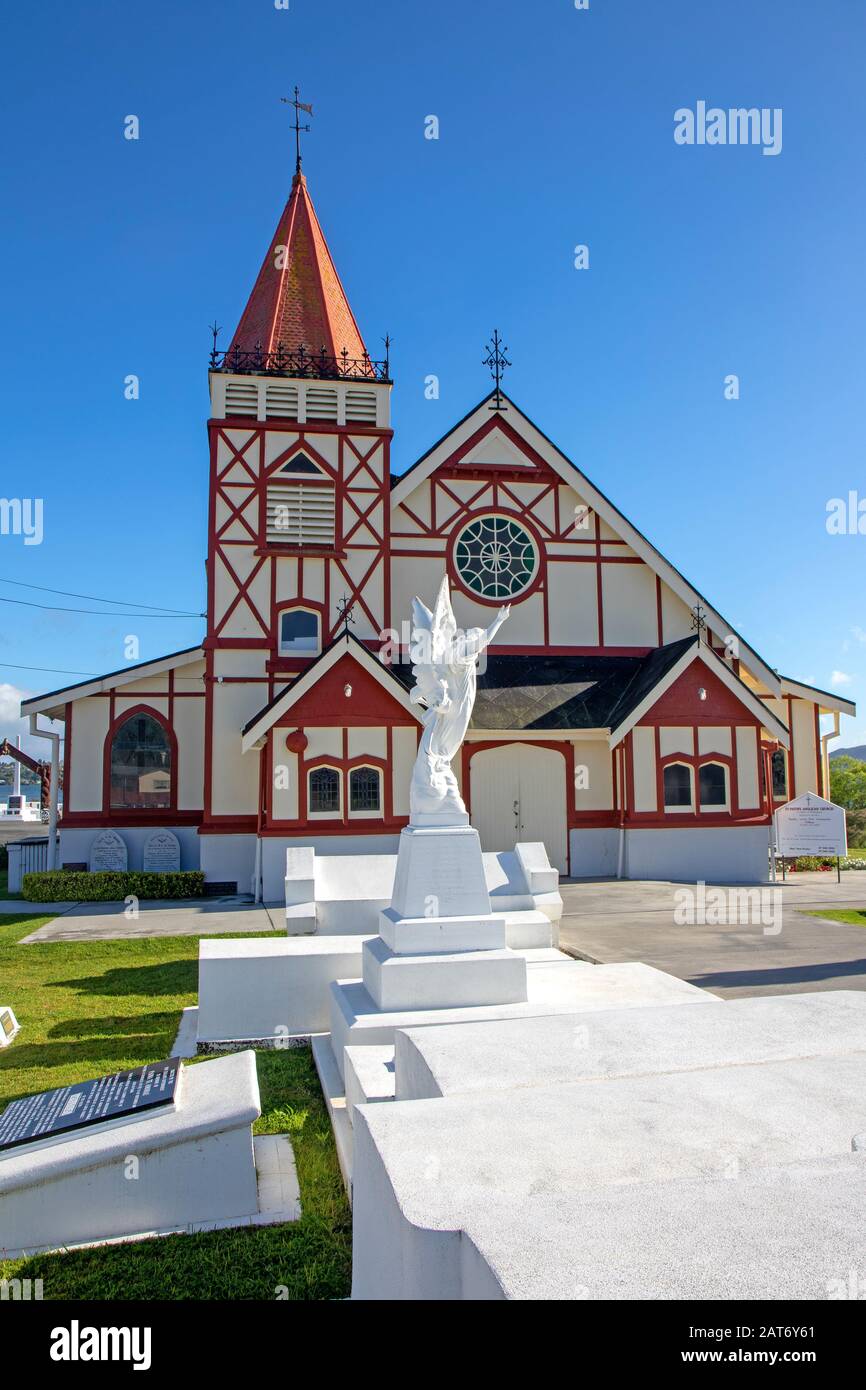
(497, 362)
(297, 127)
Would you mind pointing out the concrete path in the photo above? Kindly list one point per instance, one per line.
(608, 920)
(203, 917)
(10, 907)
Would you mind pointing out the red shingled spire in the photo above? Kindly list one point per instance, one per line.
(297, 298)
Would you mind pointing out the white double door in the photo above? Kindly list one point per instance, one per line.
(518, 793)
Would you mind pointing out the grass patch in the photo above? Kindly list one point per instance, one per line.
(91, 1007)
(855, 916)
(4, 886)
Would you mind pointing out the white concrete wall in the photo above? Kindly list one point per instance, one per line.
(75, 843)
(594, 852)
(716, 854)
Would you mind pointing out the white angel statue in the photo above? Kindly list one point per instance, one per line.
(444, 666)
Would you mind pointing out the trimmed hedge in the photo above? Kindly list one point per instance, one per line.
(65, 885)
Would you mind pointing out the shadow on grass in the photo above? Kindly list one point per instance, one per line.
(112, 1026)
(173, 977)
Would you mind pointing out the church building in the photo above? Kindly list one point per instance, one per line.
(619, 718)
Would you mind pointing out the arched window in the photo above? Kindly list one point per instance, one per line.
(365, 789)
(713, 786)
(679, 794)
(780, 775)
(299, 632)
(141, 765)
(324, 791)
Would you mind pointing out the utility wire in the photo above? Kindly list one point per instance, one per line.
(52, 670)
(97, 612)
(19, 584)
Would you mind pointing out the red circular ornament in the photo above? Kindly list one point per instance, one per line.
(296, 741)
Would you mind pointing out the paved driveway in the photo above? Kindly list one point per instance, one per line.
(606, 920)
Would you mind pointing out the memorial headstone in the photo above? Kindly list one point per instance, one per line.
(161, 853)
(124, 1093)
(108, 853)
(9, 1025)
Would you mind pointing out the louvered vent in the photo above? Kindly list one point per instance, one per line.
(281, 400)
(361, 405)
(300, 514)
(321, 403)
(242, 398)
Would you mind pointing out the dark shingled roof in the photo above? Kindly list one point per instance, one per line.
(563, 692)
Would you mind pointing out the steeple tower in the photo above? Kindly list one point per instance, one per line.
(298, 302)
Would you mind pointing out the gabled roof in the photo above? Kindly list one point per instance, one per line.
(96, 685)
(827, 701)
(660, 674)
(582, 692)
(298, 299)
(547, 451)
(256, 728)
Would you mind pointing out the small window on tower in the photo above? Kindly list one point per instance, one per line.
(299, 632)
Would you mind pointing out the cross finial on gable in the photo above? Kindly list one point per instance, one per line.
(699, 620)
(297, 127)
(345, 613)
(497, 362)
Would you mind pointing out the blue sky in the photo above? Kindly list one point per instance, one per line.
(556, 128)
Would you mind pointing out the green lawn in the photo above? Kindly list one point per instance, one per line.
(854, 915)
(4, 885)
(86, 1008)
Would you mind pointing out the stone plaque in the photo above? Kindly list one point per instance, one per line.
(8, 1025)
(108, 853)
(161, 853)
(89, 1103)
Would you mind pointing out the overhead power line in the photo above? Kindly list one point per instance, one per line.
(94, 598)
(51, 670)
(96, 612)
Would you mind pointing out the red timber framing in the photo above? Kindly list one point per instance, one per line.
(327, 706)
(681, 708)
(119, 816)
(361, 482)
(237, 545)
(532, 494)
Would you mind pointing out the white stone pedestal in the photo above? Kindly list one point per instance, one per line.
(440, 946)
(440, 873)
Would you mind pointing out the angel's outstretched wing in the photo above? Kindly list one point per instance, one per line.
(443, 622)
(431, 686)
(432, 640)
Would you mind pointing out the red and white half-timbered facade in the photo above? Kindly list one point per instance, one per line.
(619, 718)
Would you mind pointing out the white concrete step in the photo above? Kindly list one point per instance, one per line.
(528, 929)
(370, 1077)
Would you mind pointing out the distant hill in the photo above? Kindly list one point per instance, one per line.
(858, 752)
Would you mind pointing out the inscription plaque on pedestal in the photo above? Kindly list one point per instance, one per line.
(161, 853)
(87, 1103)
(108, 853)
